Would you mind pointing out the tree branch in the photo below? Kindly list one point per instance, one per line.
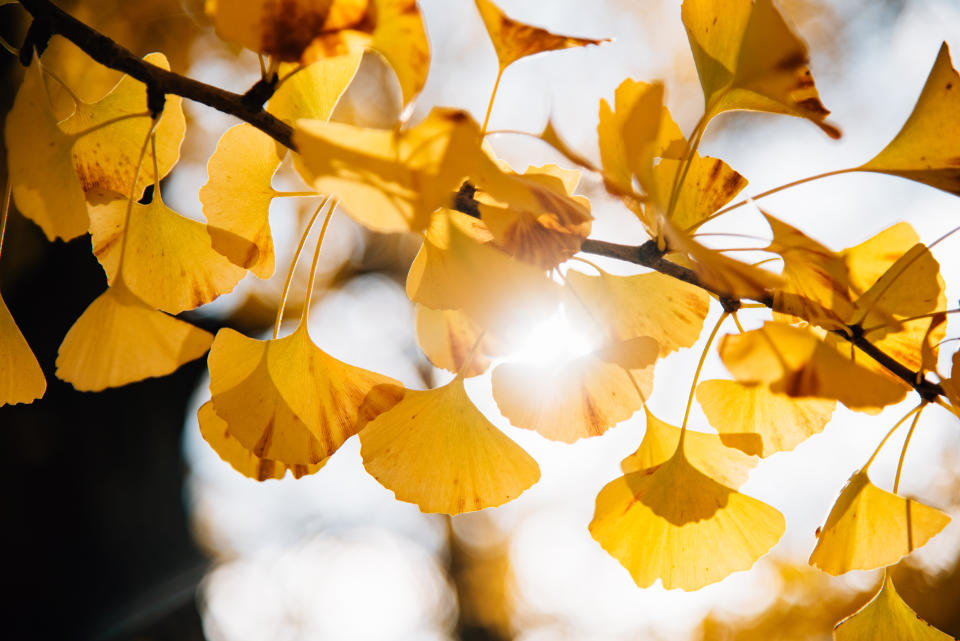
(50, 19)
(110, 54)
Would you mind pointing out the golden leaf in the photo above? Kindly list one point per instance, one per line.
(166, 259)
(120, 339)
(748, 57)
(285, 399)
(21, 379)
(887, 618)
(314, 90)
(706, 452)
(681, 526)
(709, 184)
(567, 401)
(447, 336)
(925, 149)
(871, 528)
(514, 40)
(796, 362)
(756, 420)
(435, 449)
(663, 308)
(217, 434)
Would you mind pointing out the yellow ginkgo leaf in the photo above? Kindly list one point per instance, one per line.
(120, 339)
(578, 399)
(663, 308)
(314, 90)
(21, 379)
(107, 158)
(514, 40)
(550, 136)
(40, 156)
(748, 57)
(925, 149)
(217, 434)
(435, 449)
(392, 28)
(707, 453)
(722, 274)
(285, 399)
(453, 270)
(709, 184)
(910, 287)
(871, 528)
(796, 362)
(390, 181)
(951, 385)
(869, 260)
(679, 525)
(887, 618)
(752, 418)
(535, 217)
(637, 130)
(816, 286)
(282, 29)
(447, 337)
(165, 258)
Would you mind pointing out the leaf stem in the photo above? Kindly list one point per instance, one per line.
(893, 429)
(5, 209)
(867, 330)
(471, 354)
(132, 196)
(486, 118)
(295, 194)
(692, 145)
(313, 265)
(770, 192)
(906, 444)
(293, 265)
(111, 121)
(696, 378)
(63, 84)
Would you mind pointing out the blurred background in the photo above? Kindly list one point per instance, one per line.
(121, 523)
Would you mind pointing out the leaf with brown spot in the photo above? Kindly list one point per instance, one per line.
(748, 57)
(447, 337)
(435, 449)
(927, 147)
(584, 397)
(513, 40)
(709, 184)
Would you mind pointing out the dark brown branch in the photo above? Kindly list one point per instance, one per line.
(110, 54)
(49, 20)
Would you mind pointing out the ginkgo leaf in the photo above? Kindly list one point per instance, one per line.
(392, 28)
(951, 385)
(282, 29)
(910, 287)
(40, 158)
(550, 136)
(748, 57)
(535, 217)
(567, 401)
(718, 272)
(871, 528)
(663, 308)
(435, 449)
(816, 284)
(165, 258)
(447, 337)
(314, 90)
(453, 270)
(285, 399)
(709, 184)
(925, 149)
(756, 420)
(887, 618)
(21, 379)
(796, 362)
(390, 181)
(107, 158)
(637, 130)
(869, 260)
(707, 453)
(236, 197)
(513, 40)
(217, 434)
(120, 339)
(679, 525)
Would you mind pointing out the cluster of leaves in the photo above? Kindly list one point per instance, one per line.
(497, 257)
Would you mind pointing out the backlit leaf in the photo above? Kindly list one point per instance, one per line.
(871, 528)
(120, 339)
(314, 90)
(21, 379)
(709, 184)
(748, 57)
(446, 336)
(752, 418)
(679, 525)
(435, 449)
(925, 149)
(887, 618)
